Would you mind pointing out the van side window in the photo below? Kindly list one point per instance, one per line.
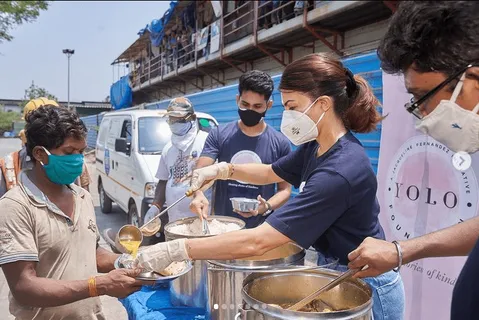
(104, 126)
(126, 130)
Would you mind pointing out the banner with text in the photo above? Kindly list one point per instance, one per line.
(421, 191)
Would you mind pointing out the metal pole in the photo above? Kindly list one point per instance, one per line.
(68, 53)
(69, 82)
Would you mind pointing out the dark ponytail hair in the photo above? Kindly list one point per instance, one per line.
(320, 74)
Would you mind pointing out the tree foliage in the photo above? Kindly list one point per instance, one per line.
(14, 13)
(6, 120)
(34, 92)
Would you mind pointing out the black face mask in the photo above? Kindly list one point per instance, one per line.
(249, 117)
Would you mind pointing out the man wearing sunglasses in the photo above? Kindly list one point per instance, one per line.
(178, 159)
(436, 46)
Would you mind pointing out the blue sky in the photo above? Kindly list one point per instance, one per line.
(98, 31)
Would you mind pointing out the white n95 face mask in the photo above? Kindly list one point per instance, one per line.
(298, 127)
(451, 125)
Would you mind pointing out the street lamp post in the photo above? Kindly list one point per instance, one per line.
(69, 53)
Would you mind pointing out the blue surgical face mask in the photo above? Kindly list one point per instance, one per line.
(181, 128)
(63, 169)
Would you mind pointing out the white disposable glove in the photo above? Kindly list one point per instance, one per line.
(158, 257)
(199, 205)
(203, 178)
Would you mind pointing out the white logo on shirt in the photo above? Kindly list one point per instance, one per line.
(245, 156)
(301, 186)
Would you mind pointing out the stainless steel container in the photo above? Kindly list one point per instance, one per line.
(225, 278)
(244, 204)
(351, 299)
(192, 288)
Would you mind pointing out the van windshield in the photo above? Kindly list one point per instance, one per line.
(154, 133)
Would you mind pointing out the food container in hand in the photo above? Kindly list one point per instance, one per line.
(244, 204)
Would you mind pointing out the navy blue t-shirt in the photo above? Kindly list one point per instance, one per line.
(465, 297)
(228, 143)
(336, 208)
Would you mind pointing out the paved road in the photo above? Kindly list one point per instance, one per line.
(111, 307)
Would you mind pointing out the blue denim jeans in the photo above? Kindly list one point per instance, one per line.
(387, 289)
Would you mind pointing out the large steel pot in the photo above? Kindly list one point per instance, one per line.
(225, 278)
(192, 288)
(352, 298)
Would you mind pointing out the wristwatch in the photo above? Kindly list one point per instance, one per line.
(270, 209)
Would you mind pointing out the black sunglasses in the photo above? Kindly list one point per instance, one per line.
(171, 120)
(413, 106)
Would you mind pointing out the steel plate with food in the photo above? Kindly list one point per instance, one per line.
(172, 272)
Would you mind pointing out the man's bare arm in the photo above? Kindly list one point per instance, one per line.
(458, 240)
(282, 195)
(204, 162)
(105, 260)
(160, 194)
(382, 256)
(30, 290)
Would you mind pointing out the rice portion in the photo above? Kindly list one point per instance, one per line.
(195, 228)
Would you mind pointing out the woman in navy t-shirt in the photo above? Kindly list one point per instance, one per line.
(336, 208)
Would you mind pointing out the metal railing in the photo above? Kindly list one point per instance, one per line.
(271, 13)
(234, 26)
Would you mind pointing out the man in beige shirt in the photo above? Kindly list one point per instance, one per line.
(49, 249)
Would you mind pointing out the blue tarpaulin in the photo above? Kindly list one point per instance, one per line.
(148, 304)
(120, 94)
(156, 27)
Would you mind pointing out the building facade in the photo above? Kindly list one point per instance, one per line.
(202, 45)
(246, 35)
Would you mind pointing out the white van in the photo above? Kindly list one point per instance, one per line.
(128, 151)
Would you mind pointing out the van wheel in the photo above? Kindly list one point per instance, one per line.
(133, 217)
(105, 201)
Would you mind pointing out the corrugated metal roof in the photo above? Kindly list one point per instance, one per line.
(87, 104)
(82, 104)
(140, 44)
(96, 105)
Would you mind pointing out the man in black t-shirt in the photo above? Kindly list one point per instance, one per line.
(436, 46)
